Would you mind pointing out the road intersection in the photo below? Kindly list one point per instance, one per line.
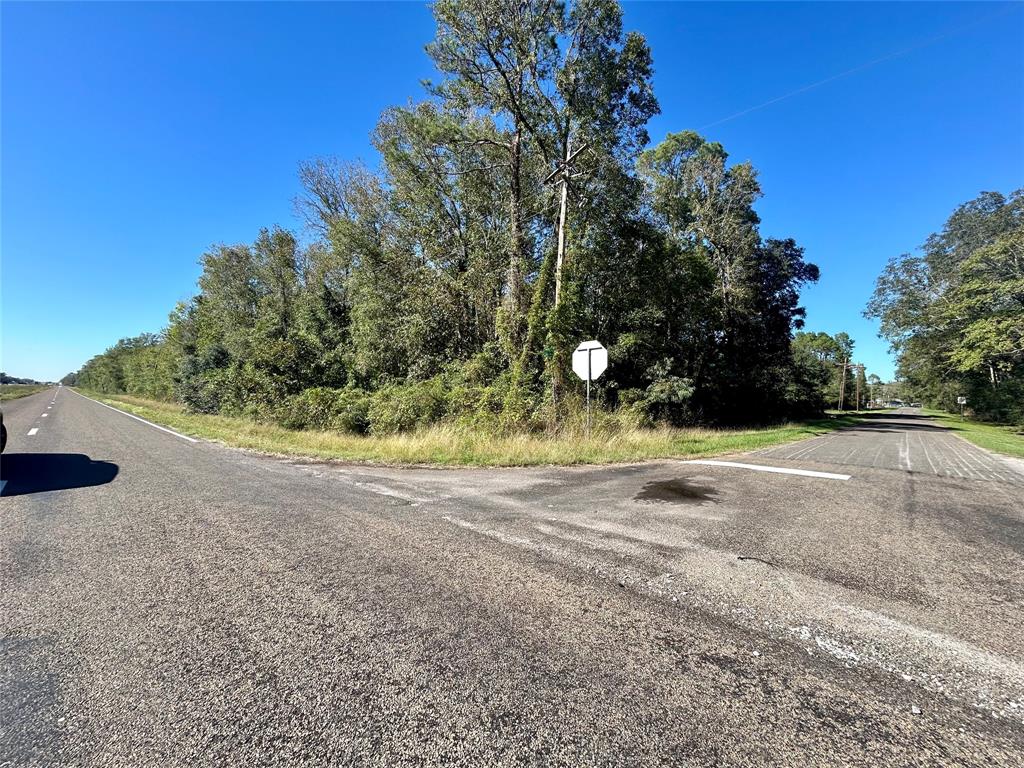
(170, 602)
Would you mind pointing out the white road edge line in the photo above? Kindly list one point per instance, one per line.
(33, 431)
(139, 418)
(778, 470)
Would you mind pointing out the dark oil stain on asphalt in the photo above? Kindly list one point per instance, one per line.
(674, 492)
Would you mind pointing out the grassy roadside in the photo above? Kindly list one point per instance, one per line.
(455, 446)
(994, 437)
(13, 391)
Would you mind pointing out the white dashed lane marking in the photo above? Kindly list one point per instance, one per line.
(33, 431)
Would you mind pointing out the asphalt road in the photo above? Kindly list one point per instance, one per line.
(903, 439)
(170, 603)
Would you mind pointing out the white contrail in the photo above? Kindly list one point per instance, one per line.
(858, 68)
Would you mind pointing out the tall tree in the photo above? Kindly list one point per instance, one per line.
(511, 215)
(707, 204)
(952, 313)
(496, 56)
(706, 208)
(568, 87)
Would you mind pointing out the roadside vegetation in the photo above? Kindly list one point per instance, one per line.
(1005, 439)
(454, 444)
(14, 391)
(519, 208)
(954, 313)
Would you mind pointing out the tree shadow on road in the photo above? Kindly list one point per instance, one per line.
(907, 427)
(883, 415)
(26, 473)
(899, 422)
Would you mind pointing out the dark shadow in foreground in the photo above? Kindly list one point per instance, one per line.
(40, 472)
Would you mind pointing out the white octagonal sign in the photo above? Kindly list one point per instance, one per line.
(589, 360)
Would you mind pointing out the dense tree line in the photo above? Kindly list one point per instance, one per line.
(954, 313)
(7, 379)
(515, 212)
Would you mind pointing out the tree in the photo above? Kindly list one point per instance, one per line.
(952, 314)
(513, 214)
(874, 387)
(988, 303)
(827, 365)
(860, 391)
(706, 207)
(706, 204)
(496, 56)
(573, 93)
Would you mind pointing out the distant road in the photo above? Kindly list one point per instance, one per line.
(906, 440)
(168, 602)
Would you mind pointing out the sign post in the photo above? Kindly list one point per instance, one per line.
(961, 401)
(589, 361)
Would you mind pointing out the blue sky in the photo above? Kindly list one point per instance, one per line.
(134, 136)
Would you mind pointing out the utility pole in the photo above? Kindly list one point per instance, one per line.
(859, 368)
(842, 382)
(563, 173)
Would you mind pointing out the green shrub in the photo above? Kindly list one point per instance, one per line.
(483, 368)
(352, 411)
(404, 407)
(476, 397)
(343, 410)
(249, 391)
(666, 398)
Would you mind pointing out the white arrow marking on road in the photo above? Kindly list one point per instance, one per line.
(33, 431)
(779, 470)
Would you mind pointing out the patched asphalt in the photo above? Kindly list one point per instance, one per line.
(170, 603)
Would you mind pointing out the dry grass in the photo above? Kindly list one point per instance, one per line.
(449, 445)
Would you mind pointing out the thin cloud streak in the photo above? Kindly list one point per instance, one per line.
(860, 67)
